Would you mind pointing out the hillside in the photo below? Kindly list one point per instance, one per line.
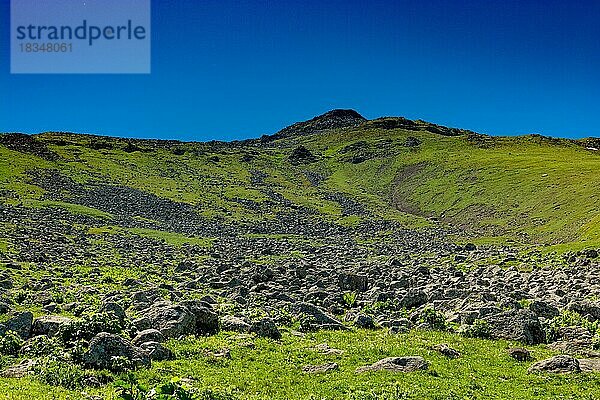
(339, 229)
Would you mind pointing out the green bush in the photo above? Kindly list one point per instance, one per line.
(569, 318)
(10, 343)
(89, 326)
(434, 319)
(60, 373)
(349, 299)
(479, 329)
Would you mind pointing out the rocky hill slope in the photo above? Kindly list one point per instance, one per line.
(335, 223)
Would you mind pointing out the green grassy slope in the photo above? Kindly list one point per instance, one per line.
(529, 189)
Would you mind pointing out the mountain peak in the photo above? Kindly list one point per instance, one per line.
(337, 118)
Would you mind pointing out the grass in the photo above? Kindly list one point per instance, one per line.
(530, 189)
(273, 370)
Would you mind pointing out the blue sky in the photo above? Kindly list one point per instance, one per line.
(237, 69)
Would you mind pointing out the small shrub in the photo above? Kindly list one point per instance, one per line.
(434, 319)
(130, 389)
(569, 318)
(479, 329)
(10, 343)
(349, 299)
(60, 373)
(89, 326)
(41, 346)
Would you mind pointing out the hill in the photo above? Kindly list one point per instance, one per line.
(231, 262)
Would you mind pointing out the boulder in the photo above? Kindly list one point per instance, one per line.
(20, 324)
(519, 353)
(364, 321)
(148, 335)
(266, 328)
(206, 319)
(313, 318)
(589, 364)
(105, 347)
(234, 324)
(397, 364)
(520, 325)
(114, 308)
(49, 325)
(171, 320)
(319, 369)
(544, 309)
(156, 351)
(413, 298)
(561, 364)
(353, 282)
(20, 370)
(446, 350)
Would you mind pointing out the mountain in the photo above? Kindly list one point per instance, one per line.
(336, 246)
(337, 167)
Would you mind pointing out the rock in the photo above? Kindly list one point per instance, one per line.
(588, 309)
(324, 348)
(113, 308)
(20, 370)
(20, 324)
(413, 298)
(544, 309)
(234, 324)
(353, 282)
(156, 351)
(266, 328)
(172, 321)
(519, 353)
(313, 318)
(207, 320)
(148, 335)
(104, 347)
(589, 364)
(49, 325)
(301, 155)
(560, 364)
(573, 347)
(446, 350)
(397, 364)
(318, 369)
(364, 321)
(520, 325)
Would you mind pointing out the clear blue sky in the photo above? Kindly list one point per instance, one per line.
(224, 69)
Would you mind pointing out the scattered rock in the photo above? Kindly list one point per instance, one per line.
(20, 370)
(519, 353)
(266, 328)
(105, 347)
(561, 364)
(397, 364)
(446, 350)
(318, 369)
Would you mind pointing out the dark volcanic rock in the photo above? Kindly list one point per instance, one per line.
(397, 364)
(104, 347)
(521, 325)
(20, 324)
(561, 364)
